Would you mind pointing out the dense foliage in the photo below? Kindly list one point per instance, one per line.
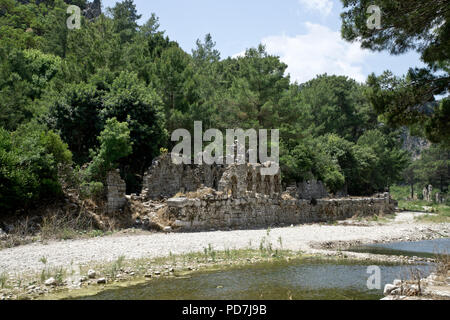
(112, 91)
(420, 25)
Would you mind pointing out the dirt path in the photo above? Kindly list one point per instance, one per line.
(305, 237)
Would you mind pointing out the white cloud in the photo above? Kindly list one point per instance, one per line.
(320, 50)
(323, 6)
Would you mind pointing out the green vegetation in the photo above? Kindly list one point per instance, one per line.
(417, 25)
(109, 94)
(418, 100)
(437, 212)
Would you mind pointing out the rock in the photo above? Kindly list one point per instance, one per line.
(432, 277)
(91, 274)
(397, 283)
(101, 281)
(148, 275)
(414, 289)
(180, 224)
(178, 202)
(157, 273)
(50, 282)
(396, 292)
(167, 229)
(388, 289)
(83, 279)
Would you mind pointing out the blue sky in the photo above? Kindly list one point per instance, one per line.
(304, 33)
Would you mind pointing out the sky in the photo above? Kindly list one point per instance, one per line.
(305, 34)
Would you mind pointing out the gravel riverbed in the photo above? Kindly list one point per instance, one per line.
(307, 238)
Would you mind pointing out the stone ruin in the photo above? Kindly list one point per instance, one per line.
(201, 197)
(312, 190)
(165, 179)
(116, 191)
(427, 193)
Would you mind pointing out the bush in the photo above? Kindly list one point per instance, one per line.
(29, 160)
(114, 144)
(92, 190)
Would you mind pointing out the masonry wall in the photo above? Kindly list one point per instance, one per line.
(221, 212)
(312, 190)
(116, 188)
(165, 179)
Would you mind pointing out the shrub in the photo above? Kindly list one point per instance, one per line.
(92, 190)
(114, 144)
(29, 160)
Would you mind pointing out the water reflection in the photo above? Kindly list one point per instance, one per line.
(274, 281)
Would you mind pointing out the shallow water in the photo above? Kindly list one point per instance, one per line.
(425, 249)
(310, 279)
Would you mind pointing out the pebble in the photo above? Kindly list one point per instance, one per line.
(397, 282)
(50, 282)
(91, 274)
(388, 289)
(101, 281)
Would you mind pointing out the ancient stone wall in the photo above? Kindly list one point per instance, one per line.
(165, 179)
(116, 188)
(246, 180)
(240, 196)
(312, 190)
(220, 211)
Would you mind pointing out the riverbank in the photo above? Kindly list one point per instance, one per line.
(32, 265)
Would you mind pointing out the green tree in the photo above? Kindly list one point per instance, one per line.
(256, 83)
(75, 113)
(337, 105)
(115, 144)
(29, 160)
(131, 100)
(391, 160)
(418, 25)
(24, 76)
(125, 18)
(434, 167)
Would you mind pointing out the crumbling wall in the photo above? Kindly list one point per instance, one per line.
(240, 196)
(246, 180)
(220, 211)
(312, 190)
(116, 189)
(165, 179)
